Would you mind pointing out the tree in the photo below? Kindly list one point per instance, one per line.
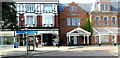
(9, 14)
(88, 26)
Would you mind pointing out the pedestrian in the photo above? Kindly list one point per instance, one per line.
(59, 44)
(37, 42)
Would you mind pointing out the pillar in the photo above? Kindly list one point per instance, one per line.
(69, 40)
(84, 39)
(115, 40)
(99, 40)
(87, 39)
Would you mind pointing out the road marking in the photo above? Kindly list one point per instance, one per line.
(112, 52)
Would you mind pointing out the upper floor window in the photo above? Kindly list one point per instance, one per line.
(68, 22)
(48, 21)
(97, 20)
(30, 7)
(73, 21)
(73, 8)
(105, 6)
(20, 7)
(47, 7)
(105, 20)
(30, 20)
(113, 20)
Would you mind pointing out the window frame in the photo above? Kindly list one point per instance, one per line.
(112, 20)
(71, 8)
(74, 8)
(103, 6)
(106, 20)
(98, 20)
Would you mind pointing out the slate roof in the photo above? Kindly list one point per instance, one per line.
(114, 5)
(84, 6)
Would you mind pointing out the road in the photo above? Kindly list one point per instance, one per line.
(90, 51)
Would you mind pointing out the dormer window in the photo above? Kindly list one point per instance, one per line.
(73, 8)
(105, 6)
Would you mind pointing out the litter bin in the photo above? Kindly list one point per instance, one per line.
(15, 45)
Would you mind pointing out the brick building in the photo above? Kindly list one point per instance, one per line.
(39, 17)
(104, 15)
(43, 21)
(72, 17)
(105, 19)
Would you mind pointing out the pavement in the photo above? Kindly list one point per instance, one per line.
(22, 50)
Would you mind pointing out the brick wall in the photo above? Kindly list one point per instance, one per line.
(63, 20)
(22, 20)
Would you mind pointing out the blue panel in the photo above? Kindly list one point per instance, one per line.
(25, 31)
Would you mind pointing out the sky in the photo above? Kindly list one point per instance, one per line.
(76, 1)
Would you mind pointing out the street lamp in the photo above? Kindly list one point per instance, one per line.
(14, 33)
(26, 35)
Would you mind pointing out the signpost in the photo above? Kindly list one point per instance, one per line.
(26, 35)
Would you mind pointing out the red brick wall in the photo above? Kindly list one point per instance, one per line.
(56, 20)
(63, 20)
(39, 20)
(22, 22)
(101, 15)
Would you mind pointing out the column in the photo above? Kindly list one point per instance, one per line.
(87, 39)
(115, 40)
(41, 39)
(99, 40)
(69, 39)
(84, 39)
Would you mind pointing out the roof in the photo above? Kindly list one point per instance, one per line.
(36, 0)
(78, 31)
(114, 5)
(84, 6)
(105, 30)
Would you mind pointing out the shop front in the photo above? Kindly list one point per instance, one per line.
(6, 39)
(21, 37)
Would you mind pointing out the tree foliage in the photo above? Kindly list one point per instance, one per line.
(9, 14)
(88, 26)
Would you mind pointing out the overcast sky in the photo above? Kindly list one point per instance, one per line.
(77, 1)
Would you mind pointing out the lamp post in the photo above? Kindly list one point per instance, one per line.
(26, 35)
(14, 33)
